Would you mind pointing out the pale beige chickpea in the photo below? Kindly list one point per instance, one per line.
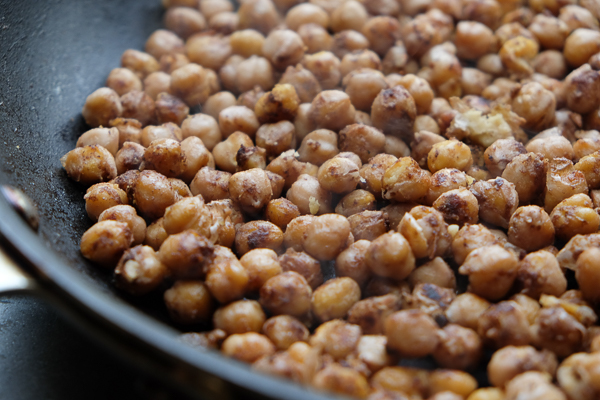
(458, 347)
(303, 264)
(511, 361)
(123, 80)
(348, 41)
(588, 274)
(334, 298)
(391, 256)
(325, 66)
(228, 73)
(238, 119)
(142, 64)
(303, 81)
(336, 338)
(473, 40)
(458, 206)
(504, 324)
(203, 126)
(153, 193)
(126, 213)
(210, 8)
(466, 309)
(351, 263)
(258, 14)
(435, 272)
(226, 279)
(363, 85)
(211, 184)
(139, 271)
(261, 264)
(155, 234)
(186, 254)
(491, 271)
(286, 293)
(105, 137)
(285, 330)
(254, 71)
(258, 234)
(371, 313)
(164, 156)
(305, 13)
(138, 105)
(327, 236)
(170, 109)
(101, 107)
(239, 317)
(449, 154)
(250, 189)
(216, 103)
(530, 228)
(581, 44)
(405, 181)
(315, 38)
(359, 59)
(224, 23)
(283, 48)
(184, 21)
(318, 146)
(247, 347)
(578, 17)
(105, 242)
(189, 302)
(335, 378)
(225, 152)
(208, 51)
(562, 182)
(536, 105)
(500, 153)
(156, 83)
(163, 42)
(89, 164)
(338, 175)
(393, 112)
(308, 195)
(412, 333)
(355, 202)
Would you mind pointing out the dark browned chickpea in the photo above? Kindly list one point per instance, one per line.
(129, 157)
(491, 270)
(286, 293)
(504, 324)
(186, 254)
(390, 255)
(239, 317)
(308, 195)
(411, 332)
(225, 152)
(247, 347)
(285, 330)
(405, 181)
(101, 107)
(370, 313)
(558, 331)
(105, 242)
(163, 42)
(393, 112)
(189, 302)
(142, 64)
(258, 234)
(368, 225)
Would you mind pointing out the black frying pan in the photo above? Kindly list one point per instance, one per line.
(52, 55)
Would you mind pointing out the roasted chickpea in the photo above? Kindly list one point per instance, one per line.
(189, 302)
(285, 330)
(504, 324)
(393, 112)
(105, 242)
(225, 152)
(411, 332)
(239, 317)
(458, 347)
(390, 256)
(127, 214)
(286, 293)
(530, 228)
(405, 181)
(247, 347)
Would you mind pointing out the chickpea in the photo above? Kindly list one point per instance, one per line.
(250, 189)
(382, 32)
(283, 48)
(315, 38)
(511, 361)
(331, 109)
(210, 8)
(258, 234)
(498, 200)
(393, 112)
(501, 153)
(163, 42)
(466, 310)
(139, 106)
(239, 317)
(435, 272)
(528, 173)
(254, 71)
(341, 380)
(286, 293)
(458, 206)
(363, 85)
(368, 225)
(305, 13)
(562, 181)
(536, 105)
(457, 382)
(425, 230)
(225, 152)
(534, 385)
(303, 264)
(226, 278)
(285, 330)
(550, 31)
(577, 376)
(139, 271)
(574, 216)
(334, 298)
(339, 175)
(355, 202)
(390, 255)
(530, 228)
(327, 236)
(101, 107)
(129, 157)
(261, 264)
(189, 302)
(155, 234)
(102, 196)
(308, 195)
(405, 181)
(247, 347)
(127, 214)
(504, 324)
(123, 80)
(349, 41)
(516, 54)
(336, 338)
(186, 254)
(588, 274)
(168, 130)
(153, 193)
(258, 14)
(184, 21)
(165, 156)
(156, 83)
(170, 109)
(581, 44)
(458, 347)
(411, 332)
(89, 164)
(211, 184)
(473, 40)
(105, 242)
(412, 382)
(373, 172)
(449, 154)
(325, 66)
(142, 64)
(318, 146)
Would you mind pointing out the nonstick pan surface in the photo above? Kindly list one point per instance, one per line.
(53, 54)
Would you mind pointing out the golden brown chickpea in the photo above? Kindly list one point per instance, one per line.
(196, 155)
(226, 278)
(189, 302)
(239, 317)
(456, 382)
(164, 156)
(511, 361)
(302, 263)
(349, 41)
(250, 189)
(412, 333)
(331, 109)
(588, 142)
(577, 376)
(339, 175)
(365, 141)
(491, 270)
(152, 194)
(405, 181)
(336, 338)
(170, 109)
(215, 104)
(530, 228)
(303, 81)
(129, 130)
(139, 271)
(224, 23)
(435, 272)
(550, 31)
(373, 172)
(318, 146)
(225, 152)
(355, 202)
(350, 15)
(334, 298)
(410, 382)
(500, 153)
(211, 184)
(498, 200)
(449, 154)
(283, 48)
(315, 38)
(155, 234)
(101, 107)
(325, 67)
(425, 230)
(588, 274)
(127, 214)
(474, 81)
(276, 138)
(390, 255)
(186, 254)
(473, 40)
(129, 157)
(180, 187)
(247, 347)
(156, 83)
(327, 236)
(516, 54)
(551, 63)
(142, 64)
(105, 242)
(190, 83)
(261, 264)
(184, 21)
(528, 173)
(258, 234)
(285, 330)
(466, 309)
(281, 212)
(469, 238)
(238, 119)
(286, 293)
(260, 15)
(382, 32)
(351, 262)
(371, 313)
(458, 347)
(163, 42)
(504, 324)
(363, 85)
(581, 44)
(368, 225)
(123, 80)
(139, 106)
(393, 112)
(341, 380)
(536, 105)
(562, 181)
(574, 216)
(422, 144)
(102, 196)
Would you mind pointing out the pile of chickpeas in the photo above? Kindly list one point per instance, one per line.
(440, 156)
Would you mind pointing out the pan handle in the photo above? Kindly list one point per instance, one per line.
(12, 277)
